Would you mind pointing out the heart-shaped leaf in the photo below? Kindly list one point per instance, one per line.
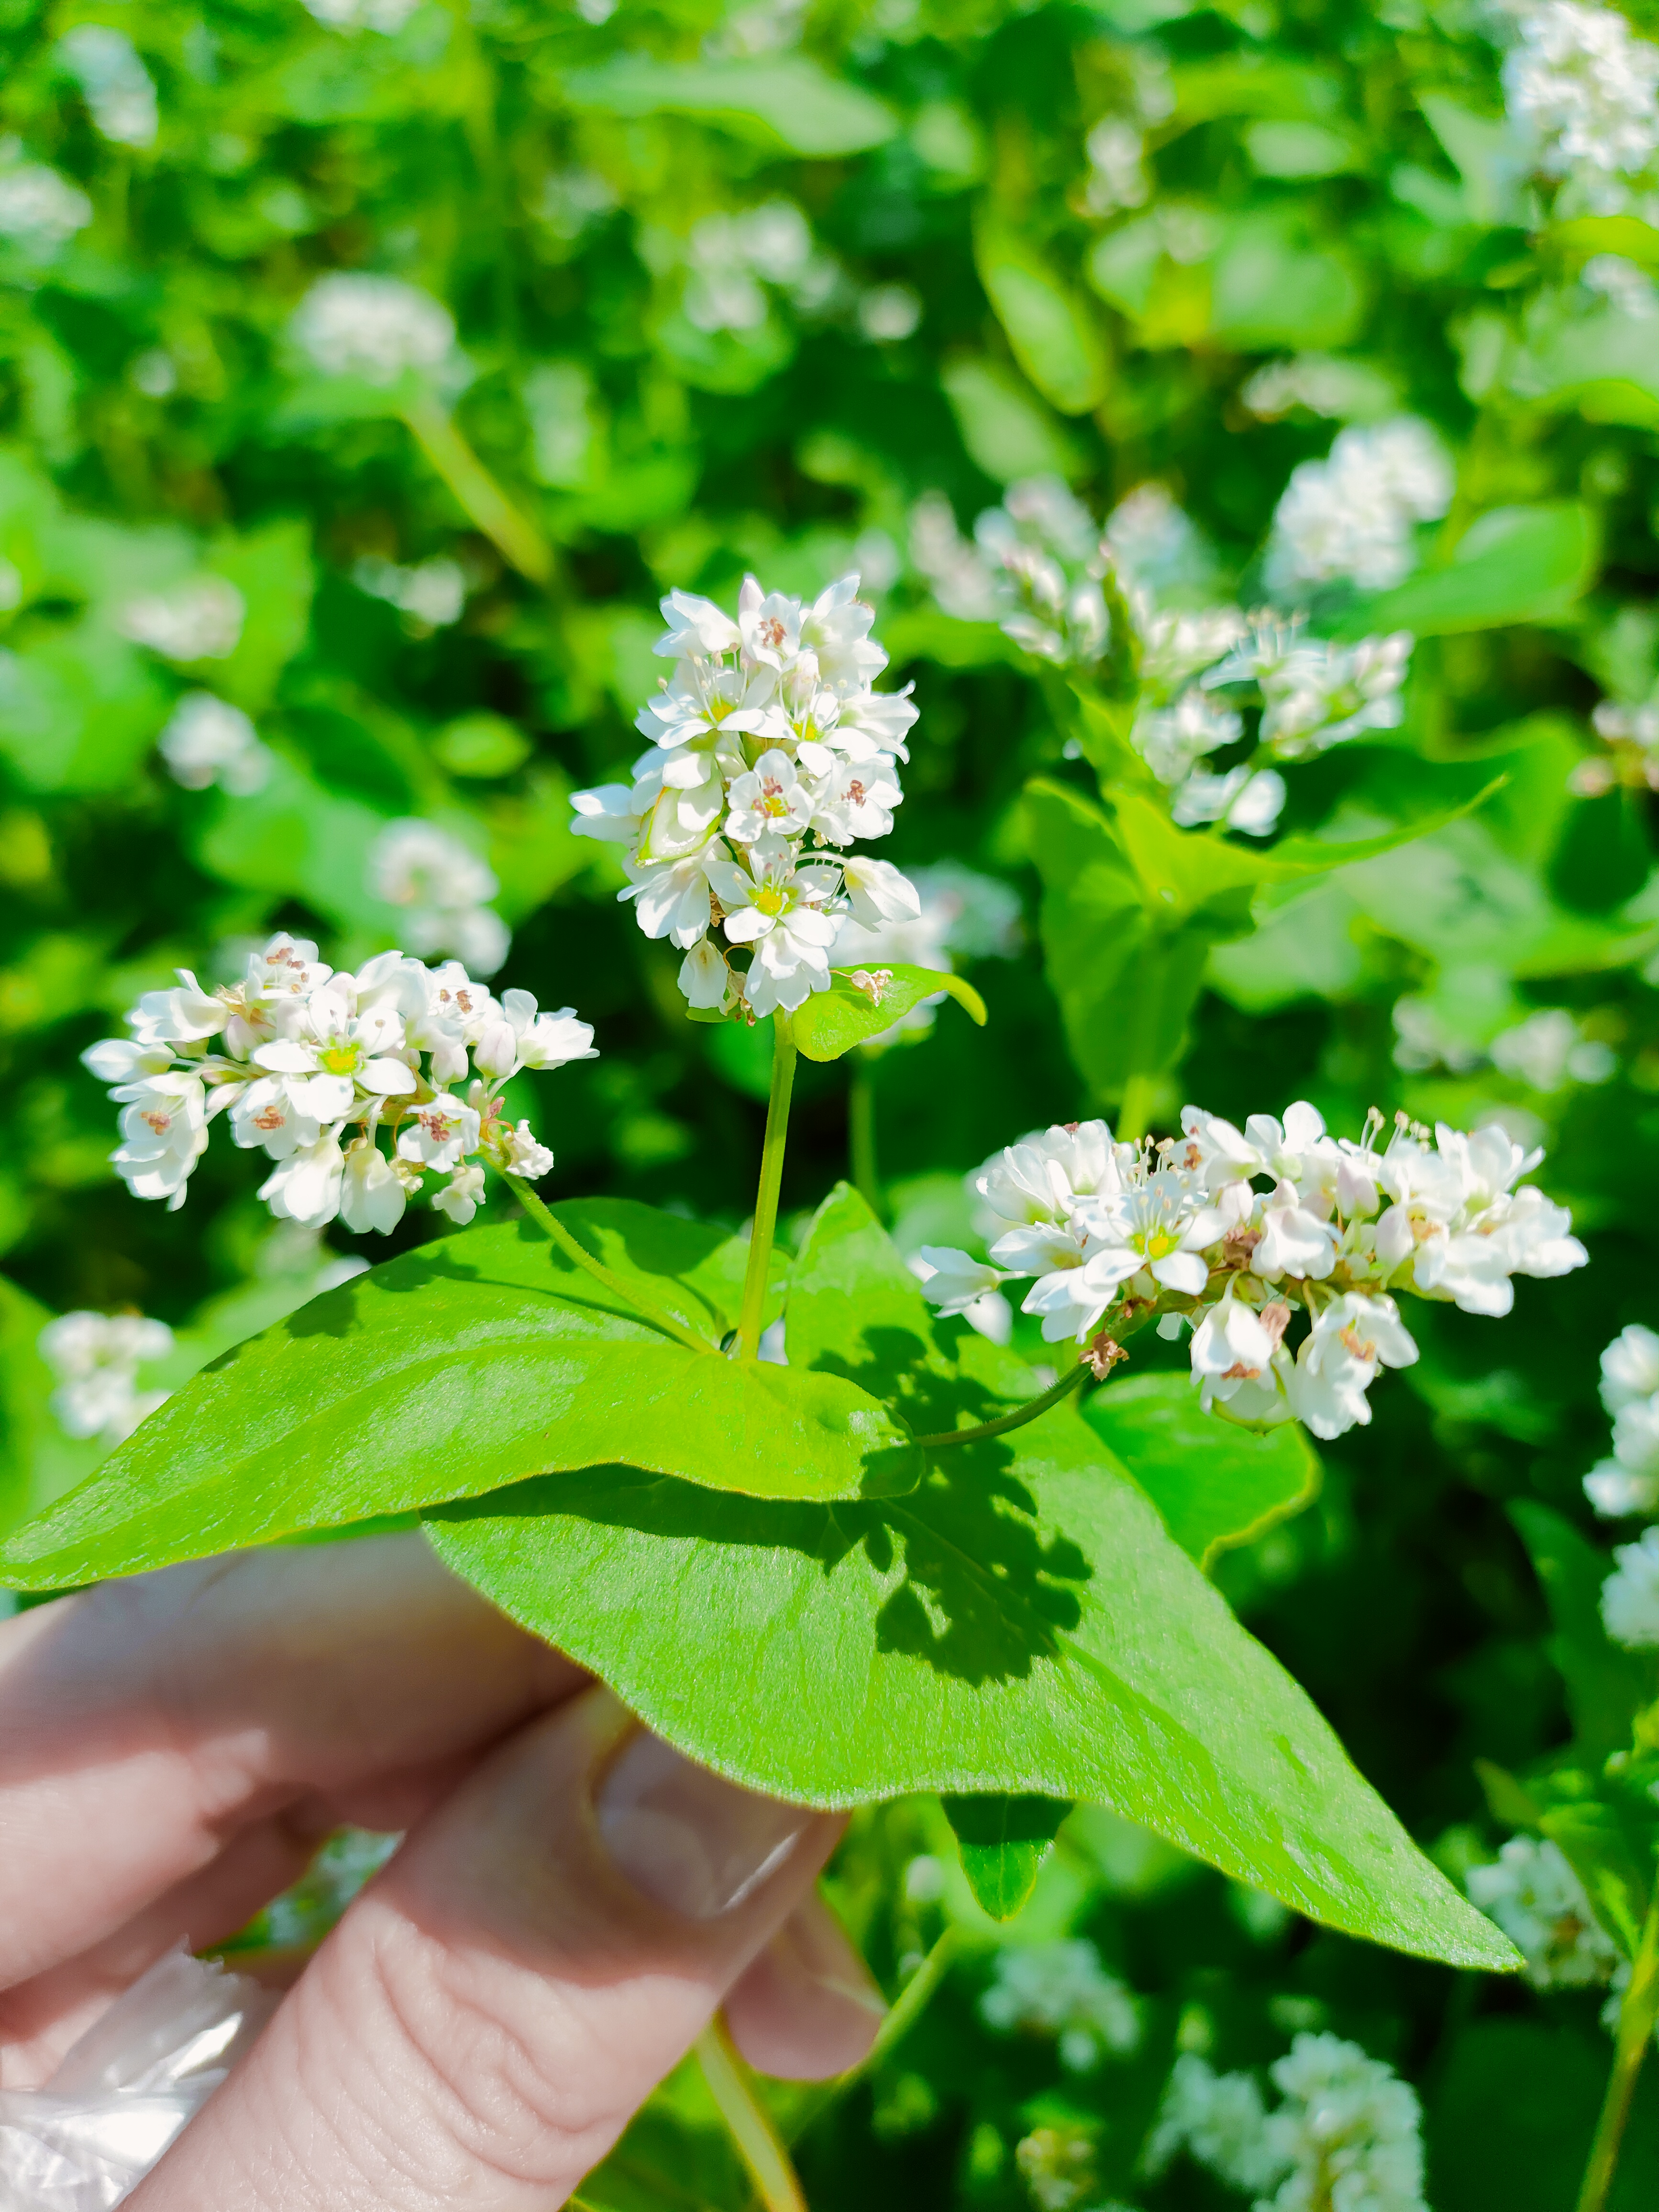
(1003, 1842)
(1020, 1624)
(1216, 1484)
(862, 1003)
(472, 1362)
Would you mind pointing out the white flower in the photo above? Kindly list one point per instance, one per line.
(1549, 1050)
(1315, 695)
(1630, 1595)
(1220, 2119)
(953, 1281)
(439, 1133)
(96, 1358)
(163, 1134)
(386, 16)
(525, 1155)
(856, 800)
(1249, 801)
(769, 800)
(963, 580)
(1630, 1368)
(672, 900)
(431, 595)
(695, 627)
(1294, 1241)
(1350, 517)
(197, 621)
(1171, 740)
(1587, 86)
(878, 893)
(1117, 176)
(1060, 1989)
(1338, 1361)
(704, 977)
(1541, 1904)
(779, 911)
(462, 1195)
(372, 1195)
(1349, 2130)
(208, 741)
(1160, 1225)
(612, 813)
(305, 1187)
(337, 1053)
(1234, 1347)
(442, 888)
(518, 1037)
(118, 90)
(377, 328)
(39, 211)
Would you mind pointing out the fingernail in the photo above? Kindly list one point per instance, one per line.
(689, 1840)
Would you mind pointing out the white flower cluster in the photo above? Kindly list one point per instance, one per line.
(443, 890)
(1623, 283)
(1629, 1481)
(386, 16)
(430, 595)
(310, 1065)
(1117, 167)
(767, 736)
(1629, 731)
(1061, 1989)
(118, 90)
(39, 211)
(1116, 1234)
(1314, 694)
(207, 741)
(96, 1358)
(1346, 2136)
(200, 620)
(377, 328)
(731, 261)
(1533, 1893)
(1585, 87)
(1351, 517)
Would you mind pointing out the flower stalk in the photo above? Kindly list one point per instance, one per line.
(861, 1131)
(1638, 2010)
(546, 1221)
(1031, 1411)
(771, 1178)
(482, 499)
(750, 2124)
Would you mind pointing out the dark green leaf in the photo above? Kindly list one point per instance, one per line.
(862, 1003)
(1216, 1484)
(1004, 1841)
(1021, 1623)
(1054, 334)
(469, 1362)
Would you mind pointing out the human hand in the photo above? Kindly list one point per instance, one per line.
(571, 1905)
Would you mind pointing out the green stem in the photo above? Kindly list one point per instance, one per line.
(861, 1132)
(913, 2001)
(751, 2125)
(1637, 2015)
(771, 1177)
(514, 536)
(548, 1221)
(1136, 1111)
(1017, 1418)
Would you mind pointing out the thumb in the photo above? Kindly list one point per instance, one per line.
(485, 2020)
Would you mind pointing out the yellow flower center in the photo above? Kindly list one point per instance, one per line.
(339, 1059)
(769, 899)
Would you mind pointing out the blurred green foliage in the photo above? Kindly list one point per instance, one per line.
(668, 387)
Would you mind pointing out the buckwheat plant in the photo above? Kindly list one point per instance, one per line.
(935, 1568)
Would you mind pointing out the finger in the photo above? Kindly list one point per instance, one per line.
(145, 1724)
(809, 2006)
(485, 2019)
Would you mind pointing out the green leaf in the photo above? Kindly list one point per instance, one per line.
(38, 1461)
(1021, 1623)
(1273, 285)
(1216, 1484)
(1054, 336)
(1006, 428)
(1004, 1841)
(862, 1003)
(789, 102)
(1606, 1687)
(474, 1361)
(1513, 564)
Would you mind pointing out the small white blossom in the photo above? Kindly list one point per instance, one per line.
(1172, 740)
(1541, 1904)
(377, 328)
(1061, 1989)
(1117, 174)
(1350, 517)
(373, 1194)
(197, 621)
(39, 211)
(208, 741)
(305, 1185)
(1338, 1361)
(96, 1358)
(1623, 284)
(1586, 86)
(1220, 2120)
(443, 889)
(964, 583)
(1630, 1595)
(1348, 2129)
(118, 90)
(386, 16)
(429, 595)
(462, 1195)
